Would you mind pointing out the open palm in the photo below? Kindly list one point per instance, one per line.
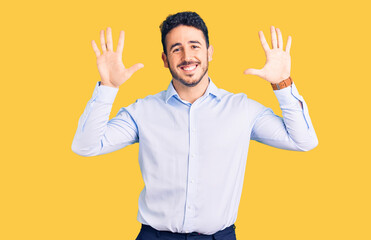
(110, 66)
(278, 64)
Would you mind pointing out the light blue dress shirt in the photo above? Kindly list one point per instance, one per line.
(192, 156)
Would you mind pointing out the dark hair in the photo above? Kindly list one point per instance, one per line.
(183, 18)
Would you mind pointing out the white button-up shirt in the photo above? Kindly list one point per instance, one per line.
(192, 156)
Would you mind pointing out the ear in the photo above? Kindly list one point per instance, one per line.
(210, 52)
(164, 58)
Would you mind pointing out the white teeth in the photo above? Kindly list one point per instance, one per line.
(190, 68)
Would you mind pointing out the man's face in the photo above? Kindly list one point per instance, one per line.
(187, 56)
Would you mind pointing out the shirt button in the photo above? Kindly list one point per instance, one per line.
(191, 181)
(193, 156)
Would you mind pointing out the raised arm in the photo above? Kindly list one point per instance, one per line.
(96, 135)
(295, 130)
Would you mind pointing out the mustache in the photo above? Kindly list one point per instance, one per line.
(185, 63)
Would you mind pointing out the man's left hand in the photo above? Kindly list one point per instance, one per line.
(278, 64)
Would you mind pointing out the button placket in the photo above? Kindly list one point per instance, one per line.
(192, 166)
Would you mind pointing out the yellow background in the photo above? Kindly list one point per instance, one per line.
(48, 73)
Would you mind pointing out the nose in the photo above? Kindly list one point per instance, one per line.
(187, 54)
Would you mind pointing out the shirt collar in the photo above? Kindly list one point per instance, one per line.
(211, 89)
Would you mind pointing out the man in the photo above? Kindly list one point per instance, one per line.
(193, 137)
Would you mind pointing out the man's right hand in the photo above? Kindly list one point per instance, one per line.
(111, 69)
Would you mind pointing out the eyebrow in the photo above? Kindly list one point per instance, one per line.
(177, 44)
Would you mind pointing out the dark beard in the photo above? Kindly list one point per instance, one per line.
(181, 80)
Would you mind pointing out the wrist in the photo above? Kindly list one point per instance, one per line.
(283, 84)
(107, 84)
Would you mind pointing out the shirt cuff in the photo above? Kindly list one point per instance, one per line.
(104, 94)
(289, 99)
(289, 96)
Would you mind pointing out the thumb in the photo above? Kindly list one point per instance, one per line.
(135, 68)
(252, 71)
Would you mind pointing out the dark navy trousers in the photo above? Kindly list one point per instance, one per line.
(149, 233)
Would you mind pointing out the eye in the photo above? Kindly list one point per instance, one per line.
(195, 46)
(176, 50)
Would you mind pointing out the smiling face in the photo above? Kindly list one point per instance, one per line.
(187, 55)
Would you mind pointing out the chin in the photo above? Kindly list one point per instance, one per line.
(189, 83)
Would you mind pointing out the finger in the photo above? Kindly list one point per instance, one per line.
(280, 41)
(109, 39)
(120, 44)
(252, 71)
(274, 37)
(95, 48)
(134, 68)
(263, 41)
(102, 41)
(288, 44)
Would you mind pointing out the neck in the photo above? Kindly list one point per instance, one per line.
(191, 94)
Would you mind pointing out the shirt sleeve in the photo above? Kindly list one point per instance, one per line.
(96, 134)
(292, 132)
